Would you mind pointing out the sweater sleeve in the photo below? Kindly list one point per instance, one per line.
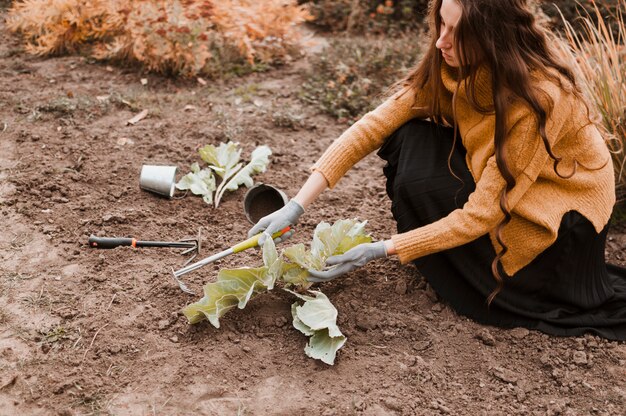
(481, 213)
(369, 133)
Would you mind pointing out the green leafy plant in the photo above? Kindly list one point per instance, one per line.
(243, 176)
(225, 162)
(235, 287)
(316, 318)
(199, 182)
(327, 241)
(222, 159)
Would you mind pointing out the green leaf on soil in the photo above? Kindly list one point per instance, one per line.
(297, 323)
(222, 159)
(317, 318)
(199, 182)
(323, 347)
(236, 177)
(235, 287)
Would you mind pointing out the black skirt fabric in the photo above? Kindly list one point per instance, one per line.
(568, 290)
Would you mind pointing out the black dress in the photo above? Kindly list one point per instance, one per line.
(567, 290)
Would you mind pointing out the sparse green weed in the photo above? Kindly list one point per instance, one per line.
(247, 92)
(52, 335)
(60, 106)
(348, 77)
(367, 16)
(287, 118)
(227, 127)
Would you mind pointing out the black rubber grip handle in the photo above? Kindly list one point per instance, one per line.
(110, 242)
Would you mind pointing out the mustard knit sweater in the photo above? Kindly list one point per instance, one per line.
(540, 197)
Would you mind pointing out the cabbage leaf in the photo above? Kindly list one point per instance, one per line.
(225, 161)
(236, 177)
(317, 318)
(222, 159)
(199, 182)
(235, 287)
(328, 240)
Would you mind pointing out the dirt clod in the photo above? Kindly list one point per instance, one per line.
(8, 382)
(519, 333)
(401, 287)
(437, 307)
(505, 375)
(485, 336)
(365, 323)
(579, 357)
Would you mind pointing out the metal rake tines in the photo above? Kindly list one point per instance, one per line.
(182, 284)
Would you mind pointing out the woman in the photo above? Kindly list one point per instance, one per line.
(502, 198)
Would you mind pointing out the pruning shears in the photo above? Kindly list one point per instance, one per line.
(237, 248)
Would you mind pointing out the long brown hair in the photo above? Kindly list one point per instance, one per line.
(503, 36)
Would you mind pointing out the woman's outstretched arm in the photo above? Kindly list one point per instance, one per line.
(312, 188)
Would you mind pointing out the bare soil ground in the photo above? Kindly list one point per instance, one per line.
(85, 331)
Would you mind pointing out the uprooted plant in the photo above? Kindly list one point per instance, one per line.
(224, 162)
(317, 316)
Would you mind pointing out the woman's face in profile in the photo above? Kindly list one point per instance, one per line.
(450, 13)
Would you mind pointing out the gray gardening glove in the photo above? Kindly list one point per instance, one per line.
(351, 260)
(278, 220)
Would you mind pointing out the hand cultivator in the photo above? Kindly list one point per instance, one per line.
(191, 246)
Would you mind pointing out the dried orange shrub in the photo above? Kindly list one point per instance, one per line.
(53, 27)
(263, 31)
(167, 36)
(185, 37)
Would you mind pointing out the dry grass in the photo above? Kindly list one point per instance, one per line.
(599, 58)
(179, 37)
(173, 37)
(262, 31)
(53, 27)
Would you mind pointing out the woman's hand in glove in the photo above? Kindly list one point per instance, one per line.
(272, 223)
(351, 260)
